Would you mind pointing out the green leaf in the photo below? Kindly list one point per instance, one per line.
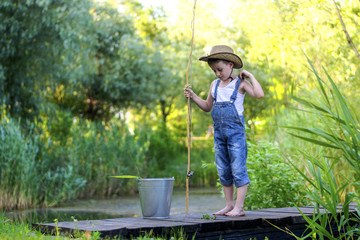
(314, 225)
(349, 197)
(126, 176)
(319, 80)
(321, 143)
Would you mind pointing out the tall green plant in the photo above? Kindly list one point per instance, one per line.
(18, 174)
(340, 125)
(331, 218)
(338, 129)
(100, 150)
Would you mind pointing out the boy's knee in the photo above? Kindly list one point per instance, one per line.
(243, 182)
(226, 182)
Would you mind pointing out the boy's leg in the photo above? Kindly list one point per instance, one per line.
(238, 209)
(229, 198)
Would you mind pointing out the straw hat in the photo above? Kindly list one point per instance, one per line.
(223, 52)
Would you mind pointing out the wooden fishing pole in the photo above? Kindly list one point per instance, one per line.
(189, 173)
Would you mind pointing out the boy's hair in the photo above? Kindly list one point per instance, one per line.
(216, 60)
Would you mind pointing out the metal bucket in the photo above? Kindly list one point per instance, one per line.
(155, 196)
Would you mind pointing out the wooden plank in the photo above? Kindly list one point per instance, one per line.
(292, 210)
(115, 224)
(188, 223)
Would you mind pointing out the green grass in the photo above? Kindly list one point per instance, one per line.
(10, 230)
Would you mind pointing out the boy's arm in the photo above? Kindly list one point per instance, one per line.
(205, 105)
(254, 89)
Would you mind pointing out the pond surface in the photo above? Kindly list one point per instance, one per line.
(201, 201)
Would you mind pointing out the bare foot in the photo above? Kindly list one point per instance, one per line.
(236, 212)
(224, 210)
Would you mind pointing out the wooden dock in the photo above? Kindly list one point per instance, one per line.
(255, 225)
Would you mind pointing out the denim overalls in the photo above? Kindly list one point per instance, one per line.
(229, 141)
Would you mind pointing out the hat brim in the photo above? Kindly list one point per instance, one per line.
(224, 56)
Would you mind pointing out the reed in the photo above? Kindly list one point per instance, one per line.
(337, 132)
(18, 173)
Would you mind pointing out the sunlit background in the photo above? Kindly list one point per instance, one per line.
(92, 89)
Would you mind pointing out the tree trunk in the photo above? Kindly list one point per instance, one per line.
(346, 32)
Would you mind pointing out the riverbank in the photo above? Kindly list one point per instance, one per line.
(201, 201)
(16, 223)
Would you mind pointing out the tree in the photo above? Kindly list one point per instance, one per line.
(43, 44)
(274, 35)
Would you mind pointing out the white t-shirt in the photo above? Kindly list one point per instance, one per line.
(224, 94)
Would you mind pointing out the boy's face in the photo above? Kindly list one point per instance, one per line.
(222, 69)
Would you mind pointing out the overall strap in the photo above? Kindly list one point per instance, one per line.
(216, 87)
(236, 90)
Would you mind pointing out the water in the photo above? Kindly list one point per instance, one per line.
(201, 201)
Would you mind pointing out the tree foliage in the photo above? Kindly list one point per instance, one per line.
(42, 43)
(85, 57)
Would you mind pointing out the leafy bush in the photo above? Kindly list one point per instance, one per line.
(274, 183)
(168, 157)
(162, 152)
(202, 163)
